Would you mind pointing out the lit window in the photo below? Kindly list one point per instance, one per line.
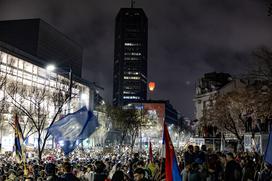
(132, 73)
(128, 92)
(131, 97)
(132, 44)
(131, 77)
(28, 67)
(132, 58)
(133, 53)
(21, 64)
(4, 58)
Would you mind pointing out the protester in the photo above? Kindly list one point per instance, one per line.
(68, 175)
(98, 166)
(233, 171)
(139, 175)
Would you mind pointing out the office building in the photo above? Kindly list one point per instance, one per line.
(26, 47)
(130, 57)
(39, 39)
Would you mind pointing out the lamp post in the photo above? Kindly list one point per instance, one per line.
(52, 68)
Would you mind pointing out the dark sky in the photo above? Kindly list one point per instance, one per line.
(187, 38)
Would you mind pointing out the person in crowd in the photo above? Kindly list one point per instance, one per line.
(50, 169)
(139, 175)
(266, 173)
(194, 174)
(189, 155)
(68, 175)
(118, 176)
(248, 169)
(100, 174)
(141, 164)
(185, 172)
(199, 155)
(233, 171)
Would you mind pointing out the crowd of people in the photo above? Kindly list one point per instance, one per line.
(195, 163)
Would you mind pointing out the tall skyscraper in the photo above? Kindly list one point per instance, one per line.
(130, 56)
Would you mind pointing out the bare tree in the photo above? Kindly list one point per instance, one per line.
(226, 113)
(128, 122)
(261, 65)
(40, 104)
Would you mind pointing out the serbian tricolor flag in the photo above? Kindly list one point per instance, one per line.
(172, 172)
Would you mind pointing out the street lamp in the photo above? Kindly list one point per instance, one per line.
(52, 68)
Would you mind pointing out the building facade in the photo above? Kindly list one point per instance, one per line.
(39, 39)
(130, 57)
(208, 87)
(27, 88)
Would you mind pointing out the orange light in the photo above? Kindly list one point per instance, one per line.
(151, 86)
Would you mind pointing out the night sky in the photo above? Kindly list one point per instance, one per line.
(187, 38)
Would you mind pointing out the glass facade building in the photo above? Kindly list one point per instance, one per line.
(30, 91)
(130, 57)
(38, 38)
(25, 84)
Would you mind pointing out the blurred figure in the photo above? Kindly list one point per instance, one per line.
(50, 170)
(68, 175)
(100, 174)
(189, 156)
(185, 172)
(118, 176)
(266, 173)
(139, 175)
(233, 171)
(194, 173)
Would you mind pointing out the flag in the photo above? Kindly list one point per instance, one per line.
(172, 172)
(151, 159)
(72, 129)
(18, 138)
(268, 151)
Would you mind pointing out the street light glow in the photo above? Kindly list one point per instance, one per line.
(84, 96)
(50, 67)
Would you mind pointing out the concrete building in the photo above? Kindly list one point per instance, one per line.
(26, 47)
(130, 56)
(208, 87)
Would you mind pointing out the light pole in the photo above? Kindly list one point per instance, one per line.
(52, 68)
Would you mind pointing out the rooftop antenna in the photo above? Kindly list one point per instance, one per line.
(132, 3)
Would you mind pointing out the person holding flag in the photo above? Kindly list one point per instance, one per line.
(18, 139)
(172, 172)
(18, 143)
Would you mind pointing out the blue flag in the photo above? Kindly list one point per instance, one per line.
(268, 152)
(73, 129)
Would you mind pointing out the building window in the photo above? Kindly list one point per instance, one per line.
(132, 44)
(131, 97)
(131, 58)
(133, 53)
(132, 78)
(129, 92)
(131, 73)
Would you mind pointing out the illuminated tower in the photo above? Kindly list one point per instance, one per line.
(130, 56)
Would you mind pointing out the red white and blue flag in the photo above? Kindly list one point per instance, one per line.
(172, 171)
